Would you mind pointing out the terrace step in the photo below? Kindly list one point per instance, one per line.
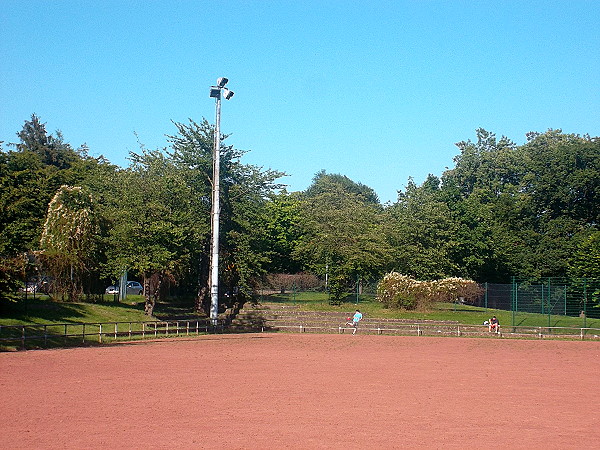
(277, 316)
(289, 318)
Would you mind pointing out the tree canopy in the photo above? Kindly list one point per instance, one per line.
(530, 210)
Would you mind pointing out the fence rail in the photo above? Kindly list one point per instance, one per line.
(67, 334)
(72, 334)
(419, 329)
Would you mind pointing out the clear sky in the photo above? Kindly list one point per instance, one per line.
(376, 90)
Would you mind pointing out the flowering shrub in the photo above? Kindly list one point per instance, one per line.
(454, 288)
(401, 291)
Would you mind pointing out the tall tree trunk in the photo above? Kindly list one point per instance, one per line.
(202, 300)
(149, 299)
(203, 296)
(152, 299)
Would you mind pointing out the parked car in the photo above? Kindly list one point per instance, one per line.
(114, 289)
(30, 287)
(133, 288)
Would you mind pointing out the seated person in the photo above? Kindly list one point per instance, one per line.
(494, 324)
(355, 319)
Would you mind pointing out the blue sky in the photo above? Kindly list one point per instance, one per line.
(378, 91)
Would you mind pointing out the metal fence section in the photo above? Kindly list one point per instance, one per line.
(71, 334)
(549, 297)
(359, 291)
(496, 296)
(354, 292)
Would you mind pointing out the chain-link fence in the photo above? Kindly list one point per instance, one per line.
(296, 290)
(549, 297)
(551, 300)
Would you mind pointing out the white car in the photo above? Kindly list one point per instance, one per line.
(29, 287)
(112, 289)
(133, 288)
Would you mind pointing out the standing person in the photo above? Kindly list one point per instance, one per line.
(355, 319)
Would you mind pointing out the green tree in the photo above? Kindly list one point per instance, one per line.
(24, 197)
(519, 210)
(491, 164)
(562, 175)
(245, 189)
(151, 225)
(29, 178)
(561, 188)
(586, 259)
(282, 231)
(344, 236)
(323, 182)
(424, 232)
(69, 239)
(246, 252)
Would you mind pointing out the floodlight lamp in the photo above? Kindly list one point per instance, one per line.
(221, 82)
(228, 93)
(215, 92)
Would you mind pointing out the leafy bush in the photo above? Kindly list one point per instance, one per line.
(337, 289)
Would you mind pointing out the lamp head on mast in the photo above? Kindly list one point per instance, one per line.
(215, 91)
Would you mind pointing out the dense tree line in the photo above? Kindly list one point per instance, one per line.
(502, 210)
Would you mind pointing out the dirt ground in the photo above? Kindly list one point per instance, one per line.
(293, 391)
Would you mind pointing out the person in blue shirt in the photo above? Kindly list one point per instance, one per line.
(355, 319)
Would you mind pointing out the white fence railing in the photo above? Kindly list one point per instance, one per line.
(66, 334)
(70, 334)
(420, 329)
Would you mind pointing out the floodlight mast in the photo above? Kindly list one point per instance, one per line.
(215, 92)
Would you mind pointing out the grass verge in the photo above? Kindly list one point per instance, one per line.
(43, 323)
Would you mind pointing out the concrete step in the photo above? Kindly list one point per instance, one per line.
(286, 317)
(289, 318)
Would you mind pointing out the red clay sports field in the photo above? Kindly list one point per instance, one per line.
(258, 391)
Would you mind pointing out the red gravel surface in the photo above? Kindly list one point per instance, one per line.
(260, 391)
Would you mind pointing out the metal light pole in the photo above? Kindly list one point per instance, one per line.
(215, 92)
